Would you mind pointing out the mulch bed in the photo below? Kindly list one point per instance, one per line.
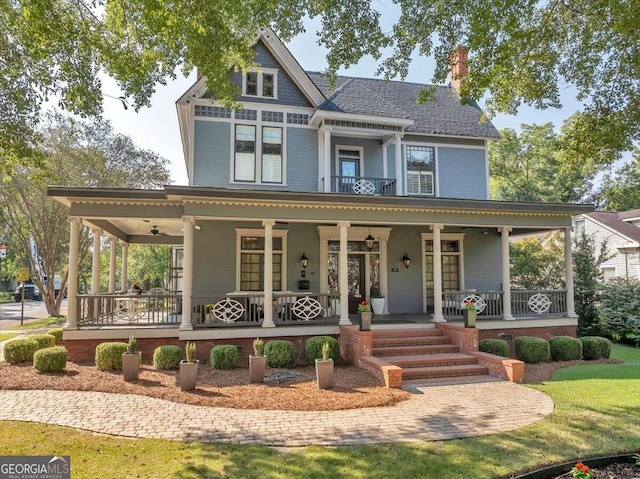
(538, 373)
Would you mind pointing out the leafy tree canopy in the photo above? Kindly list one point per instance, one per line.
(621, 191)
(521, 52)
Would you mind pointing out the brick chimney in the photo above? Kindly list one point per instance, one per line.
(458, 67)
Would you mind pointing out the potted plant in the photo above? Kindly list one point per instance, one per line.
(135, 287)
(365, 316)
(377, 300)
(189, 368)
(257, 362)
(469, 313)
(324, 367)
(131, 361)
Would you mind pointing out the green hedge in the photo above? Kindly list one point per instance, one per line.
(224, 356)
(50, 360)
(565, 348)
(532, 350)
(44, 340)
(56, 333)
(313, 348)
(595, 347)
(280, 354)
(109, 356)
(20, 350)
(499, 347)
(167, 357)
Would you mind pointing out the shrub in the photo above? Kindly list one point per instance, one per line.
(109, 356)
(258, 347)
(499, 347)
(167, 357)
(50, 360)
(224, 356)
(532, 350)
(132, 345)
(44, 340)
(20, 350)
(565, 348)
(281, 354)
(56, 333)
(620, 310)
(595, 347)
(313, 348)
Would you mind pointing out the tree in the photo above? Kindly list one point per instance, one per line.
(538, 165)
(621, 191)
(535, 265)
(150, 265)
(621, 308)
(78, 154)
(521, 52)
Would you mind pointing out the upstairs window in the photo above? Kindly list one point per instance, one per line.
(262, 84)
(420, 170)
(266, 146)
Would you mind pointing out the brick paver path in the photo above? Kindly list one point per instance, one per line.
(434, 412)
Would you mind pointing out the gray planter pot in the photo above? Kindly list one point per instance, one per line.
(257, 367)
(324, 373)
(365, 321)
(469, 316)
(377, 304)
(131, 365)
(188, 375)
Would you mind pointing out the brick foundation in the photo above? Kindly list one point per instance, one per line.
(465, 338)
(510, 335)
(355, 344)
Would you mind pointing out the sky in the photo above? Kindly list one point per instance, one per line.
(156, 128)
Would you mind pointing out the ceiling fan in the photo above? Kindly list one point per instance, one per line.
(155, 232)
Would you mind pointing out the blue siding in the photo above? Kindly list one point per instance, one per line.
(302, 159)
(405, 286)
(483, 260)
(391, 161)
(462, 173)
(211, 154)
(372, 154)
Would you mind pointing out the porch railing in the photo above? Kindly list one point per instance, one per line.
(129, 309)
(359, 185)
(488, 303)
(539, 302)
(247, 309)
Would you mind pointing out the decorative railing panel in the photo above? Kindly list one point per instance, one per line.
(358, 185)
(539, 303)
(488, 303)
(129, 309)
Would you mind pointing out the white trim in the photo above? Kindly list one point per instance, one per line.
(259, 125)
(192, 142)
(385, 159)
(443, 237)
(631, 220)
(486, 165)
(609, 228)
(458, 137)
(259, 232)
(436, 182)
(259, 82)
(238, 333)
(359, 149)
(250, 105)
(124, 333)
(614, 268)
(320, 115)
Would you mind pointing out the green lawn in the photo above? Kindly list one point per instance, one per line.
(42, 323)
(5, 336)
(593, 416)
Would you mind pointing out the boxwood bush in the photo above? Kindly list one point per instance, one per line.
(44, 340)
(56, 333)
(167, 357)
(50, 360)
(280, 354)
(20, 350)
(499, 347)
(532, 350)
(565, 348)
(595, 347)
(109, 356)
(313, 348)
(224, 356)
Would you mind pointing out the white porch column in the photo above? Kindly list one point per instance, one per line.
(72, 285)
(124, 281)
(384, 288)
(322, 180)
(506, 275)
(438, 317)
(399, 174)
(568, 266)
(343, 278)
(327, 159)
(95, 264)
(113, 244)
(187, 273)
(385, 164)
(267, 308)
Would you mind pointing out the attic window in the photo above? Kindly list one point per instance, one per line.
(263, 83)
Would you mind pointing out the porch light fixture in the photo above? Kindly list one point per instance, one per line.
(304, 261)
(197, 227)
(406, 261)
(369, 241)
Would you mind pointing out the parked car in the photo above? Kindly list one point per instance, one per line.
(30, 292)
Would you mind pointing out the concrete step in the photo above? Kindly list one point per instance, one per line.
(385, 351)
(410, 384)
(379, 342)
(431, 360)
(444, 371)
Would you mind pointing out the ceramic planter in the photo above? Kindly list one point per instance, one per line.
(324, 373)
(469, 316)
(131, 365)
(257, 367)
(377, 304)
(188, 375)
(365, 321)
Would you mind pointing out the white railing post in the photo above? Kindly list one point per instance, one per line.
(268, 274)
(506, 275)
(95, 271)
(438, 317)
(187, 273)
(72, 285)
(113, 245)
(343, 279)
(399, 172)
(124, 282)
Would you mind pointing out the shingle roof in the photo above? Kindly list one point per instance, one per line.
(444, 115)
(614, 221)
(625, 215)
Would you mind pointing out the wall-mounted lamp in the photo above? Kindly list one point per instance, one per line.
(304, 262)
(197, 227)
(369, 241)
(406, 261)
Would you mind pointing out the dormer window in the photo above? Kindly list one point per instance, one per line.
(263, 83)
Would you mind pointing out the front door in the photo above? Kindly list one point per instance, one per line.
(356, 280)
(349, 161)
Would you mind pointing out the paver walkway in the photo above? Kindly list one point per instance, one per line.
(434, 412)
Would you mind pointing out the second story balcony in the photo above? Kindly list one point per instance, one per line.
(360, 185)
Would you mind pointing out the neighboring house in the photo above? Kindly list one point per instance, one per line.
(621, 233)
(306, 200)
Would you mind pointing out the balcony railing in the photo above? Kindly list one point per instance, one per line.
(129, 309)
(359, 185)
(539, 303)
(488, 303)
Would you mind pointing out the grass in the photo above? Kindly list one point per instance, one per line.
(42, 323)
(5, 336)
(592, 417)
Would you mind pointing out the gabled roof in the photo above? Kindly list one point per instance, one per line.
(443, 115)
(629, 215)
(614, 221)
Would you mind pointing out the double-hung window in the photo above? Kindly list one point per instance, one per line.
(261, 84)
(248, 148)
(251, 260)
(420, 170)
